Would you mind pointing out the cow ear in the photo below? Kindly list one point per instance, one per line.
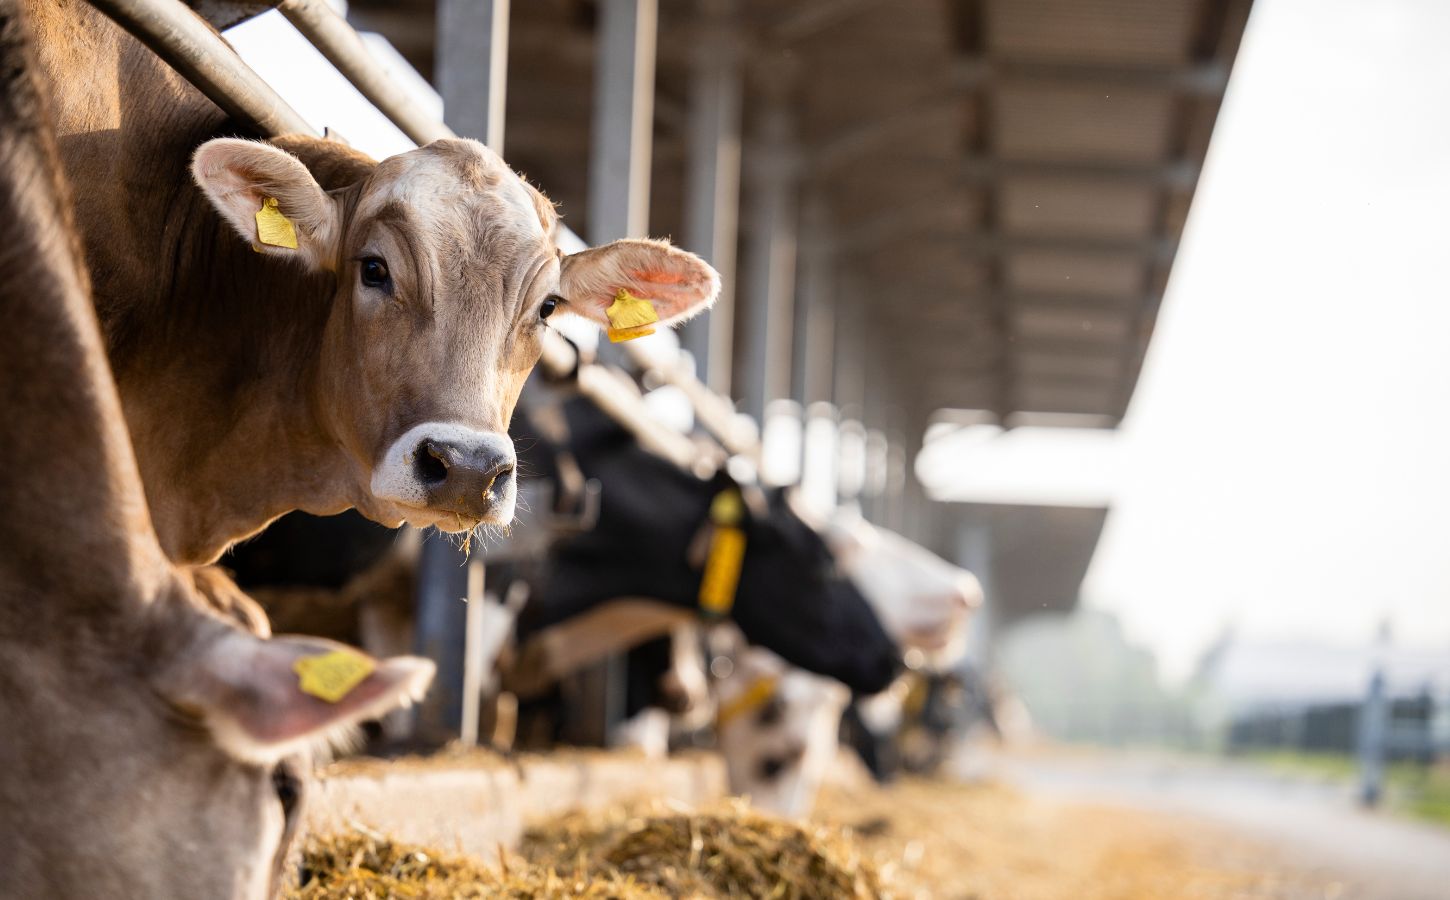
(676, 283)
(270, 199)
(264, 699)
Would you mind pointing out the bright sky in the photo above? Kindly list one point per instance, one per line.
(1285, 465)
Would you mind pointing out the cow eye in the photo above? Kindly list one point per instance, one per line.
(550, 304)
(374, 272)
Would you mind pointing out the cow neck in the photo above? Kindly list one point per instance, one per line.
(220, 391)
(76, 534)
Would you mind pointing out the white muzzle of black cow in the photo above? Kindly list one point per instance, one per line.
(449, 475)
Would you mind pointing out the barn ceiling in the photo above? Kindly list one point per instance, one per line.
(1010, 177)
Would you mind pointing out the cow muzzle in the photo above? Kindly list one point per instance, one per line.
(450, 476)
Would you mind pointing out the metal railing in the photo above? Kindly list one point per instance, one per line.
(189, 45)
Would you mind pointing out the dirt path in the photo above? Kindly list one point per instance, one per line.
(991, 842)
(1313, 826)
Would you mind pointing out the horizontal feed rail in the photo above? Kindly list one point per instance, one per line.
(189, 45)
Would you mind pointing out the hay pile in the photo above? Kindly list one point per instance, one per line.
(359, 866)
(729, 852)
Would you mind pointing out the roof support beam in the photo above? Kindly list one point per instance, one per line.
(802, 21)
(1178, 175)
(1204, 79)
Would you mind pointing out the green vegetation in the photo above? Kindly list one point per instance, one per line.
(1411, 789)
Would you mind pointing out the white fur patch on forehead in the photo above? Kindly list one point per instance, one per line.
(442, 179)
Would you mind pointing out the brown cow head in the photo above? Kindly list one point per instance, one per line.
(153, 750)
(445, 272)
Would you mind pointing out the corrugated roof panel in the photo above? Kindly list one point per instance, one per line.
(1094, 327)
(1082, 123)
(1064, 206)
(1086, 397)
(1117, 31)
(1057, 365)
(1089, 274)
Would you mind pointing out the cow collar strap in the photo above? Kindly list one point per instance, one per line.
(759, 693)
(721, 578)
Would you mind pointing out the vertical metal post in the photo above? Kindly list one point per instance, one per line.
(473, 656)
(848, 357)
(817, 339)
(771, 262)
(619, 184)
(472, 67)
(624, 84)
(712, 185)
(1374, 722)
(471, 70)
(974, 553)
(441, 623)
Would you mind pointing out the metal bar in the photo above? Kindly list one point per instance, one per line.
(330, 33)
(184, 40)
(472, 67)
(624, 82)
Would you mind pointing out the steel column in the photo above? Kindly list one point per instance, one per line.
(472, 67)
(712, 188)
(771, 262)
(624, 83)
(817, 337)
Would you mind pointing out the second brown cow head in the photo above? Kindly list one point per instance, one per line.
(445, 271)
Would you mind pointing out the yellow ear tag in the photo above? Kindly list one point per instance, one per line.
(630, 317)
(333, 675)
(759, 693)
(273, 228)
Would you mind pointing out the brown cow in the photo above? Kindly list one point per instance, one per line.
(149, 748)
(375, 365)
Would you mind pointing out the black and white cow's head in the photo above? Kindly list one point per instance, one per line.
(647, 544)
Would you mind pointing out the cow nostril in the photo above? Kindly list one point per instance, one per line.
(503, 471)
(430, 461)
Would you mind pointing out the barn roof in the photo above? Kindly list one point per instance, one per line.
(1004, 182)
(1009, 178)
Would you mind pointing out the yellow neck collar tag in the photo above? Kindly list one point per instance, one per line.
(726, 556)
(273, 228)
(630, 317)
(759, 693)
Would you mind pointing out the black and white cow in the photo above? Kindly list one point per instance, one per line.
(649, 542)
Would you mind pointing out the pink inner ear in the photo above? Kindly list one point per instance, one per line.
(660, 276)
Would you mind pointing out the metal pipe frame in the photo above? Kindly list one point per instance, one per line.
(185, 42)
(330, 33)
